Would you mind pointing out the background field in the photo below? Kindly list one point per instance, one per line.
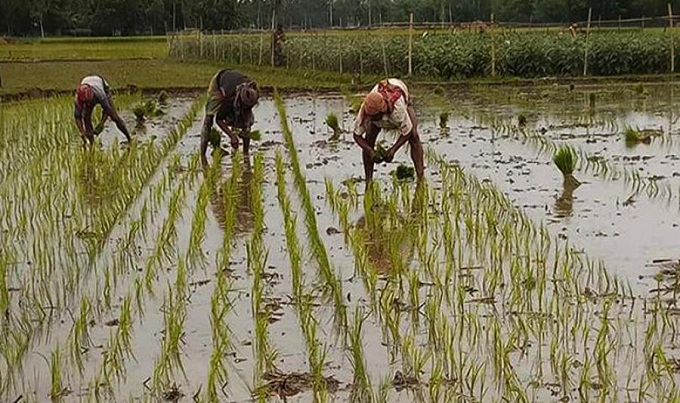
(128, 272)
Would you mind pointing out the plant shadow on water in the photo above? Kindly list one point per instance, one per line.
(241, 174)
(564, 204)
(388, 233)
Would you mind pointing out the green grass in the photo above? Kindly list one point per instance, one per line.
(79, 49)
(63, 76)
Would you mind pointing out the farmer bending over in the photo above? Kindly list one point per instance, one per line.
(387, 107)
(95, 90)
(231, 98)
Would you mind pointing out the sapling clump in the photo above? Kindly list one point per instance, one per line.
(163, 97)
(444, 123)
(332, 122)
(565, 159)
(255, 135)
(380, 153)
(404, 172)
(636, 136)
(147, 109)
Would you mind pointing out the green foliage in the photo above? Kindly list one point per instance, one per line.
(255, 135)
(517, 54)
(565, 159)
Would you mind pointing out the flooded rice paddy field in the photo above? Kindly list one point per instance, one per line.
(129, 273)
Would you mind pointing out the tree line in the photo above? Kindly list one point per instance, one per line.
(136, 17)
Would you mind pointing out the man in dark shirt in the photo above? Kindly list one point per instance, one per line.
(231, 98)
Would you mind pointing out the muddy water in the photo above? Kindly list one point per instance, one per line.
(626, 236)
(604, 218)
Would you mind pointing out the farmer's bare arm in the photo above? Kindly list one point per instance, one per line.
(408, 127)
(360, 130)
(227, 130)
(103, 119)
(205, 131)
(87, 124)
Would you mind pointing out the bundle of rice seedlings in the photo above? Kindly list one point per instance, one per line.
(380, 153)
(147, 109)
(255, 135)
(636, 136)
(565, 159)
(444, 120)
(405, 172)
(521, 120)
(332, 122)
(163, 97)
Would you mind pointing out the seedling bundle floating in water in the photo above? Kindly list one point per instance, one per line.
(332, 122)
(635, 136)
(565, 159)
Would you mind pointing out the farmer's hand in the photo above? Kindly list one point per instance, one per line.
(234, 142)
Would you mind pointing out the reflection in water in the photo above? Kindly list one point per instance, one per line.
(564, 205)
(388, 235)
(241, 175)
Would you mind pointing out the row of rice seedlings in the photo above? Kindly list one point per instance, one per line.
(303, 302)
(332, 286)
(220, 303)
(603, 286)
(173, 309)
(265, 353)
(68, 291)
(382, 242)
(33, 130)
(600, 167)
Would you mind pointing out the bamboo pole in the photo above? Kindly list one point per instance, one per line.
(585, 60)
(410, 47)
(670, 27)
(259, 63)
(493, 49)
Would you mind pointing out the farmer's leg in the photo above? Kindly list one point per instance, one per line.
(205, 131)
(372, 132)
(416, 146)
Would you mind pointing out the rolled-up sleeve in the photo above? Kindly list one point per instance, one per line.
(401, 117)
